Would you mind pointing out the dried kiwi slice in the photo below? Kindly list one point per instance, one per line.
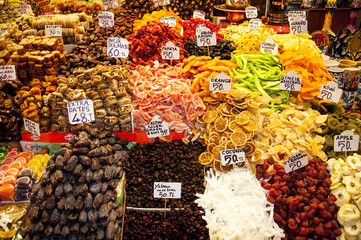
(333, 123)
(329, 140)
(354, 115)
(324, 131)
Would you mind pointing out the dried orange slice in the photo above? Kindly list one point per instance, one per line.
(200, 120)
(249, 114)
(249, 148)
(210, 116)
(223, 138)
(238, 138)
(234, 110)
(205, 158)
(217, 153)
(238, 94)
(238, 129)
(210, 147)
(242, 119)
(214, 139)
(209, 98)
(251, 126)
(232, 125)
(256, 156)
(249, 135)
(221, 124)
(226, 108)
(229, 145)
(217, 166)
(252, 103)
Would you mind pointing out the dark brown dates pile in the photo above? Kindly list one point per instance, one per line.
(181, 224)
(304, 208)
(163, 162)
(76, 196)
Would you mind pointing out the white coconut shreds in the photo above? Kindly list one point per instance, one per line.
(236, 207)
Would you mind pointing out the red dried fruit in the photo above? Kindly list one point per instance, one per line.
(292, 224)
(267, 186)
(273, 192)
(319, 230)
(311, 189)
(270, 199)
(304, 231)
(321, 206)
(277, 167)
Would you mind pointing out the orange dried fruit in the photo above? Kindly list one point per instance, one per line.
(242, 119)
(205, 158)
(210, 146)
(217, 153)
(221, 124)
(238, 138)
(251, 126)
(210, 116)
(249, 148)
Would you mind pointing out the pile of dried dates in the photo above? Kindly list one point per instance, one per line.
(76, 196)
(223, 49)
(163, 162)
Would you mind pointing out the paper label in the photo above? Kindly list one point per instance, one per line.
(167, 190)
(330, 91)
(169, 20)
(295, 161)
(293, 14)
(31, 127)
(117, 47)
(159, 3)
(269, 46)
(298, 26)
(254, 24)
(157, 128)
(81, 111)
(24, 8)
(251, 12)
(220, 83)
(290, 82)
(205, 37)
(109, 4)
(199, 14)
(232, 156)
(170, 51)
(106, 19)
(53, 31)
(7, 72)
(348, 141)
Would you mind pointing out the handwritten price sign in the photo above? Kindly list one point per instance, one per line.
(290, 82)
(232, 156)
(106, 19)
(171, 21)
(81, 111)
(53, 31)
(167, 190)
(157, 128)
(159, 3)
(269, 46)
(24, 8)
(298, 26)
(31, 127)
(170, 51)
(7, 72)
(348, 141)
(295, 161)
(118, 47)
(220, 83)
(205, 37)
(331, 92)
(254, 24)
(109, 4)
(251, 12)
(293, 14)
(199, 14)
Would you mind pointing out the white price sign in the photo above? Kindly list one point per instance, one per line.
(109, 4)
(220, 83)
(81, 111)
(298, 26)
(157, 128)
(7, 72)
(106, 19)
(117, 47)
(169, 20)
(291, 82)
(205, 37)
(293, 14)
(159, 3)
(199, 14)
(24, 8)
(170, 51)
(295, 161)
(269, 46)
(251, 12)
(53, 31)
(348, 141)
(254, 24)
(167, 190)
(330, 91)
(31, 127)
(232, 156)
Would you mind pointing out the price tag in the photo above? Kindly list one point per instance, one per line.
(106, 19)
(81, 111)
(117, 47)
(159, 3)
(220, 83)
(330, 91)
(295, 161)
(290, 82)
(293, 14)
(169, 20)
(53, 31)
(24, 8)
(167, 190)
(170, 52)
(269, 46)
(232, 156)
(109, 4)
(348, 141)
(205, 37)
(251, 12)
(7, 72)
(298, 26)
(254, 24)
(199, 14)
(157, 128)
(31, 126)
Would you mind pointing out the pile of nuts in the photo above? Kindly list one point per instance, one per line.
(163, 162)
(8, 13)
(107, 87)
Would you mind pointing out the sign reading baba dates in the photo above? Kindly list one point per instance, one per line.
(106, 19)
(7, 72)
(348, 141)
(232, 156)
(170, 51)
(295, 161)
(169, 20)
(167, 190)
(157, 128)
(290, 82)
(205, 37)
(269, 46)
(117, 47)
(330, 91)
(298, 26)
(220, 83)
(81, 111)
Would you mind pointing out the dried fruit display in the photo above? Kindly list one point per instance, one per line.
(223, 49)
(304, 208)
(162, 92)
(146, 43)
(156, 16)
(40, 6)
(230, 122)
(346, 186)
(77, 6)
(8, 13)
(76, 195)
(107, 87)
(179, 224)
(236, 206)
(163, 162)
(11, 216)
(191, 26)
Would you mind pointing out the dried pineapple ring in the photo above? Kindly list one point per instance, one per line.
(348, 213)
(352, 187)
(354, 162)
(333, 165)
(342, 196)
(335, 177)
(358, 177)
(336, 186)
(353, 228)
(342, 162)
(347, 171)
